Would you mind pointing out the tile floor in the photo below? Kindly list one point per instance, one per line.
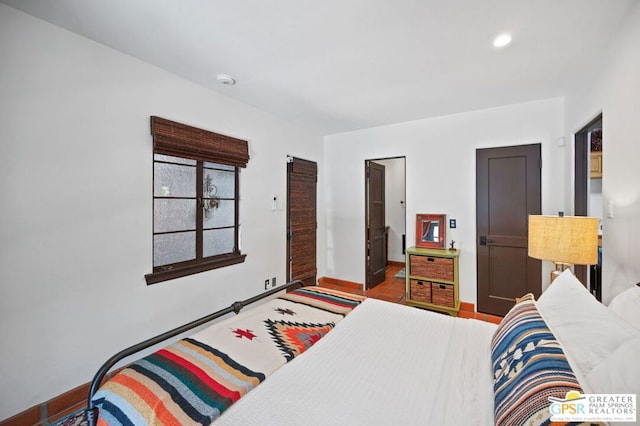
(393, 290)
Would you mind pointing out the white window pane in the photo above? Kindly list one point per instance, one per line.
(218, 241)
(170, 180)
(223, 215)
(219, 166)
(173, 215)
(172, 248)
(179, 160)
(216, 183)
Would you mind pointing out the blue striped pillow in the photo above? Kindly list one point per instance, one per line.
(529, 366)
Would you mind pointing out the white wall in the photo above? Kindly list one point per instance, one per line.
(76, 217)
(616, 95)
(394, 205)
(595, 198)
(440, 169)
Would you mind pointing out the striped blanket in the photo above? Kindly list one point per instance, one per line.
(196, 379)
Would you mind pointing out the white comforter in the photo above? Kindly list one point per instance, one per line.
(384, 364)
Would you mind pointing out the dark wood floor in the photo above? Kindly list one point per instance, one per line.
(393, 290)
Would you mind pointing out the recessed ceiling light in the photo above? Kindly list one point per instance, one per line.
(226, 80)
(502, 40)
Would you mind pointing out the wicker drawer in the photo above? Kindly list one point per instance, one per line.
(420, 291)
(442, 294)
(438, 268)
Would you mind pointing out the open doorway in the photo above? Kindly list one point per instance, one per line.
(385, 216)
(588, 193)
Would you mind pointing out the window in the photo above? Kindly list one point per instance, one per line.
(195, 200)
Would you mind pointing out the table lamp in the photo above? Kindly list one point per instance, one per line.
(565, 240)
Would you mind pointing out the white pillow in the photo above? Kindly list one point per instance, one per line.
(589, 332)
(610, 378)
(627, 306)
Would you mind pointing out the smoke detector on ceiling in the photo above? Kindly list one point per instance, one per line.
(226, 80)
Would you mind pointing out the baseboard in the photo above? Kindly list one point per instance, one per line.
(53, 410)
(343, 283)
(395, 263)
(466, 306)
(56, 408)
(468, 310)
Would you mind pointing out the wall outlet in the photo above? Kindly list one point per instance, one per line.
(273, 282)
(266, 284)
(452, 223)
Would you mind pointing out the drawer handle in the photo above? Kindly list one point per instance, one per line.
(443, 287)
(431, 259)
(420, 283)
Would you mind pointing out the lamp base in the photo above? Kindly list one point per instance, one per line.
(560, 268)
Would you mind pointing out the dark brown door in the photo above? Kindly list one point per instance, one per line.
(301, 220)
(507, 191)
(376, 260)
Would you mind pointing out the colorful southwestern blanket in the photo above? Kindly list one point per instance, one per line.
(194, 380)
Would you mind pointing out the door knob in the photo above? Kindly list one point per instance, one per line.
(484, 240)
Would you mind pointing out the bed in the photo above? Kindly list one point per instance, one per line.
(381, 363)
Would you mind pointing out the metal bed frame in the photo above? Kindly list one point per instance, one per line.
(92, 411)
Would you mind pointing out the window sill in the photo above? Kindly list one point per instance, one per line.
(183, 271)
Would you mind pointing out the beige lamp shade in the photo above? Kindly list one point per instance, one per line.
(568, 239)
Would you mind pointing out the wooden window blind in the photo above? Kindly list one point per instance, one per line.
(181, 140)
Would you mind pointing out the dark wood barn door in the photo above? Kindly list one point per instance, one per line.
(302, 177)
(507, 192)
(375, 195)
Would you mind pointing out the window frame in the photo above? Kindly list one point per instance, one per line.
(199, 263)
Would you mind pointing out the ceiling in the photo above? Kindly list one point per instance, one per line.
(341, 65)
